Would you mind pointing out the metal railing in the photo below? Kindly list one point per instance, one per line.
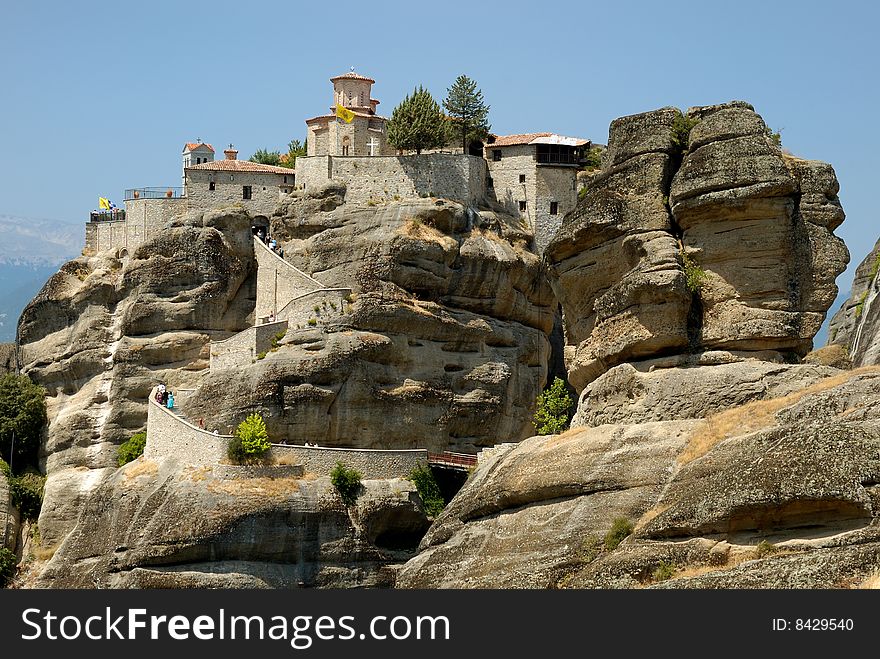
(454, 460)
(154, 193)
(107, 216)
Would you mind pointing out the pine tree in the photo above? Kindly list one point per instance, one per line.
(464, 103)
(417, 123)
(551, 417)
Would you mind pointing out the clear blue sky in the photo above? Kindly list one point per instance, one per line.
(97, 97)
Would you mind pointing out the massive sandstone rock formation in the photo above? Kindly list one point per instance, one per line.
(775, 493)
(445, 345)
(168, 525)
(725, 245)
(856, 325)
(105, 329)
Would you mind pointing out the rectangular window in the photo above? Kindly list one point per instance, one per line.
(496, 155)
(522, 178)
(554, 208)
(246, 192)
(212, 186)
(522, 207)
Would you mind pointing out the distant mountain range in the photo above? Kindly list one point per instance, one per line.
(30, 252)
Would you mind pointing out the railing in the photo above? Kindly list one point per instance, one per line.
(154, 193)
(454, 460)
(106, 216)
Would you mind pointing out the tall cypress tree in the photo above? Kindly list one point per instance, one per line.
(417, 123)
(464, 103)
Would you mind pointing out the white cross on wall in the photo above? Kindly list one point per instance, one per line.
(374, 145)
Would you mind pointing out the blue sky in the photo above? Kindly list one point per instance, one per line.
(97, 97)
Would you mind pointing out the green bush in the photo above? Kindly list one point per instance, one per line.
(681, 130)
(22, 415)
(551, 417)
(312, 322)
(26, 493)
(250, 442)
(776, 138)
(695, 276)
(860, 305)
(7, 566)
(663, 571)
(765, 548)
(593, 158)
(429, 491)
(132, 449)
(620, 528)
(347, 483)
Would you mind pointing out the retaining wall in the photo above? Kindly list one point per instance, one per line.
(381, 178)
(244, 347)
(372, 463)
(274, 292)
(144, 218)
(169, 435)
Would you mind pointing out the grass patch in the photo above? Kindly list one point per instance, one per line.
(664, 571)
(860, 305)
(754, 416)
(620, 529)
(258, 487)
(142, 468)
(765, 549)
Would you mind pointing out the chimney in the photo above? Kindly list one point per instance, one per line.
(231, 153)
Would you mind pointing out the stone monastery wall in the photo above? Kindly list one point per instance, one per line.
(379, 178)
(144, 218)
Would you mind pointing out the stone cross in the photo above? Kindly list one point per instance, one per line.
(374, 145)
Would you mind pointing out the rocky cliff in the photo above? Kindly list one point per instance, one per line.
(443, 344)
(169, 525)
(698, 234)
(856, 325)
(775, 493)
(693, 276)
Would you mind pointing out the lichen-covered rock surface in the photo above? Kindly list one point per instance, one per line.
(168, 525)
(776, 493)
(687, 241)
(856, 325)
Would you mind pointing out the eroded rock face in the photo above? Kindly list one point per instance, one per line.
(165, 525)
(759, 223)
(688, 387)
(856, 325)
(787, 486)
(615, 265)
(104, 330)
(445, 346)
(725, 245)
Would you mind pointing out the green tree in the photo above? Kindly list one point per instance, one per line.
(551, 417)
(417, 123)
(250, 442)
(22, 414)
(132, 449)
(347, 482)
(295, 149)
(429, 491)
(7, 566)
(265, 157)
(464, 103)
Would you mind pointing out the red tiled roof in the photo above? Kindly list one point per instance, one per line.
(528, 138)
(190, 146)
(241, 166)
(351, 75)
(519, 138)
(356, 112)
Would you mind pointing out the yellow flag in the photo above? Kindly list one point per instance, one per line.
(345, 114)
(103, 204)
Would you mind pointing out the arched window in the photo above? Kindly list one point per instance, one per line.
(345, 144)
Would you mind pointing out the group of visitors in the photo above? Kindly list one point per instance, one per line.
(165, 397)
(268, 240)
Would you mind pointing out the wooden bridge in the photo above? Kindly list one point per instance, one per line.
(450, 460)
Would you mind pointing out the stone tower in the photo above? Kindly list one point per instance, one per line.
(364, 135)
(195, 153)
